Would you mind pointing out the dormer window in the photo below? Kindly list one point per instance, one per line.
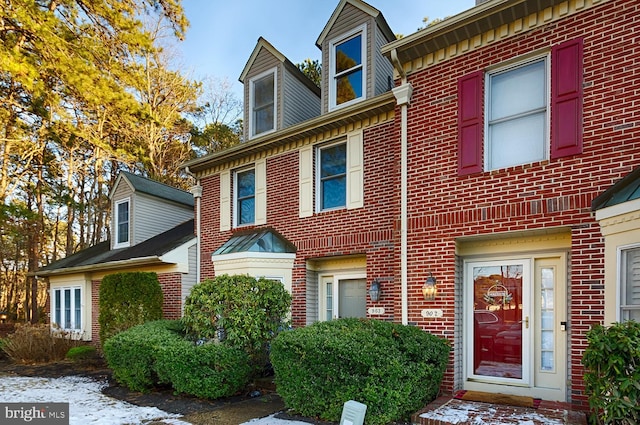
(347, 78)
(263, 103)
(122, 223)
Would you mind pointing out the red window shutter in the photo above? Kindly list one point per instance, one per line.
(470, 123)
(566, 99)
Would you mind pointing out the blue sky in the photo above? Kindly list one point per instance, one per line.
(223, 33)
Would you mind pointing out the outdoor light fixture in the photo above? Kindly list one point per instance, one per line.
(375, 291)
(430, 289)
(3, 317)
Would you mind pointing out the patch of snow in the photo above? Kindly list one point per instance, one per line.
(459, 412)
(87, 404)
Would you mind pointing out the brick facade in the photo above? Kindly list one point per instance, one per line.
(444, 208)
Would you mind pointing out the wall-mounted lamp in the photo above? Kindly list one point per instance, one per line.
(3, 317)
(375, 291)
(430, 288)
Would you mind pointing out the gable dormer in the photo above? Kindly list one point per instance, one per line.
(353, 68)
(143, 208)
(276, 93)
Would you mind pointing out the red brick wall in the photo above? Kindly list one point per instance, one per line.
(546, 194)
(369, 230)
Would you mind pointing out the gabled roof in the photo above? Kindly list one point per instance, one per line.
(153, 188)
(295, 71)
(99, 257)
(262, 240)
(625, 189)
(370, 10)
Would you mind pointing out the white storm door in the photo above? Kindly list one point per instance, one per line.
(344, 297)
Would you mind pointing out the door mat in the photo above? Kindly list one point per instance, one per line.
(496, 398)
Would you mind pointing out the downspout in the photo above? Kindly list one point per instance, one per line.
(196, 191)
(403, 96)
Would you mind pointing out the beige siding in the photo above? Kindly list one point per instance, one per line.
(153, 216)
(381, 66)
(263, 62)
(190, 279)
(299, 102)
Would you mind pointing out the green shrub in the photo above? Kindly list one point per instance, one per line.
(38, 343)
(207, 371)
(126, 300)
(82, 353)
(132, 354)
(249, 312)
(612, 377)
(393, 369)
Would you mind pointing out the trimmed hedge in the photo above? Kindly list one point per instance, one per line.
(158, 353)
(612, 375)
(131, 354)
(128, 299)
(206, 371)
(393, 369)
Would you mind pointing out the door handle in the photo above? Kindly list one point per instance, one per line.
(526, 322)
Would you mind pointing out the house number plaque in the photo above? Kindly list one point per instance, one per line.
(376, 311)
(431, 312)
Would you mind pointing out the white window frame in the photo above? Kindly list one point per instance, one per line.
(252, 121)
(126, 243)
(362, 31)
(621, 279)
(512, 66)
(236, 209)
(318, 177)
(73, 326)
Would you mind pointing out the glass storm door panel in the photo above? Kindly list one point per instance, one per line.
(499, 328)
(352, 298)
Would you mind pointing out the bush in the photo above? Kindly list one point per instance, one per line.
(612, 377)
(127, 300)
(206, 371)
(131, 354)
(82, 353)
(393, 369)
(246, 312)
(38, 344)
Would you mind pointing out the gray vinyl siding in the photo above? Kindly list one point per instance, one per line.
(299, 102)
(190, 279)
(382, 67)
(263, 62)
(153, 216)
(123, 191)
(351, 17)
(312, 300)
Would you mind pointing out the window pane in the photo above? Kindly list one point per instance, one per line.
(263, 104)
(123, 222)
(263, 91)
(247, 211)
(517, 141)
(518, 91)
(348, 54)
(349, 87)
(57, 296)
(333, 180)
(78, 315)
(67, 309)
(632, 277)
(334, 193)
(245, 194)
(333, 160)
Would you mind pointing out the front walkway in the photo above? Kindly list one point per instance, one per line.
(447, 411)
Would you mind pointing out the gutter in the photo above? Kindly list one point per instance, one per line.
(403, 96)
(105, 266)
(196, 191)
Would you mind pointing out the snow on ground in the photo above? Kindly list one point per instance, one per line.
(87, 404)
